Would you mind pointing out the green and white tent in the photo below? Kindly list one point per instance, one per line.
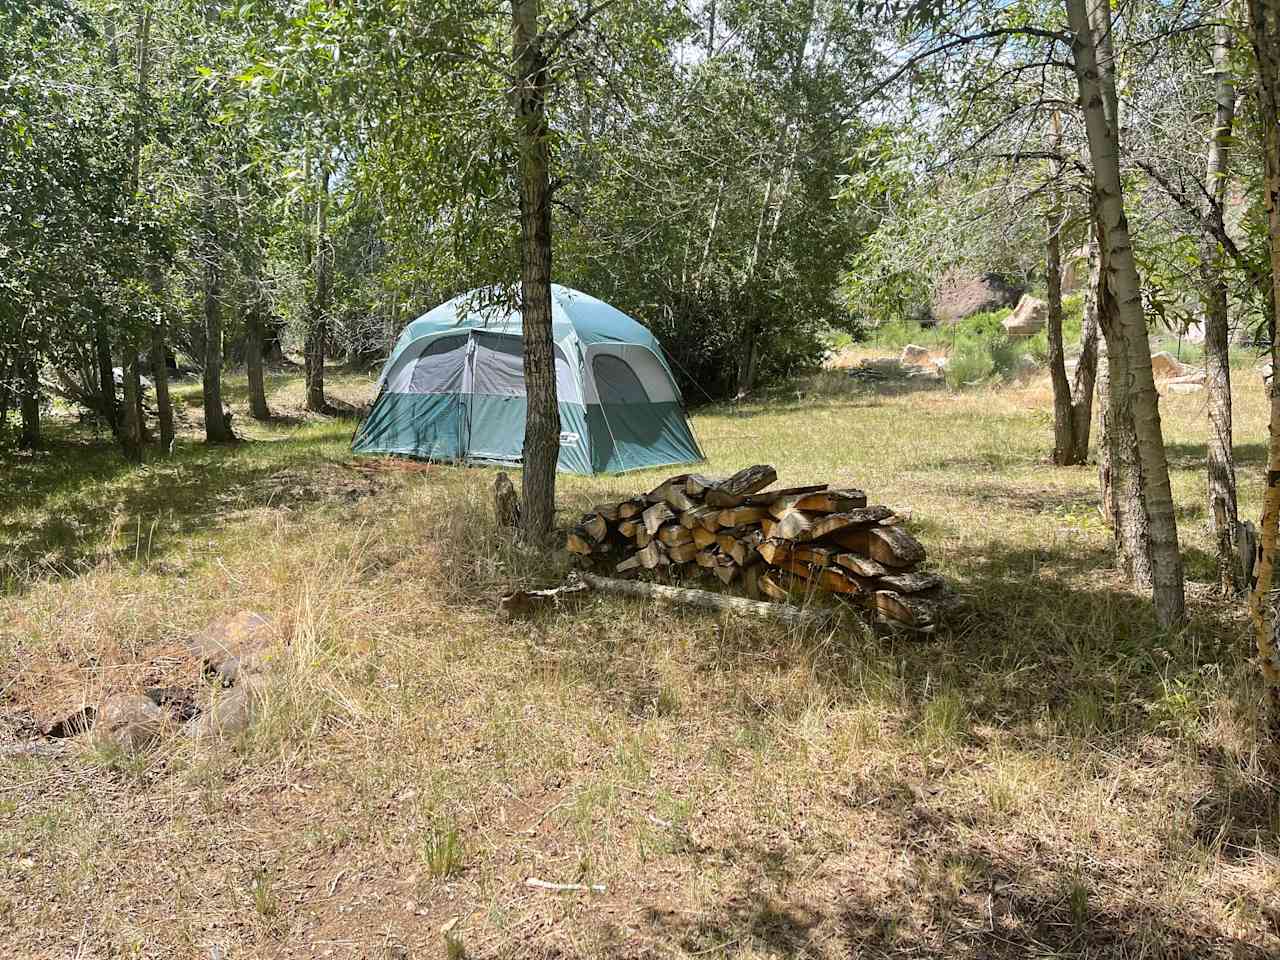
(453, 389)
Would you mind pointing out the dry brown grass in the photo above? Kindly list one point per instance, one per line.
(1054, 778)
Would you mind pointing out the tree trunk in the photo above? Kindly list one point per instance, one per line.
(317, 327)
(1063, 440)
(258, 408)
(1087, 365)
(106, 373)
(1095, 76)
(542, 422)
(1119, 467)
(29, 404)
(131, 425)
(160, 378)
(1264, 33)
(1221, 461)
(216, 428)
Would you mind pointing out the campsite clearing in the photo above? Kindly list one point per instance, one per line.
(1055, 777)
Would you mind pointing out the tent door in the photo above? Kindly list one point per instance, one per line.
(464, 399)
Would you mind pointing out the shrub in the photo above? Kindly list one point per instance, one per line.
(970, 362)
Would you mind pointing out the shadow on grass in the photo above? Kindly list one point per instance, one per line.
(67, 504)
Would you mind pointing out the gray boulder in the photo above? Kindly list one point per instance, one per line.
(1027, 318)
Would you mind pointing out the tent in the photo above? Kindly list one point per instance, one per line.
(453, 389)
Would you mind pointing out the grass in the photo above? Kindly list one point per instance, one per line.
(1054, 777)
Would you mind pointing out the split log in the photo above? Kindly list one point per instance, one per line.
(911, 582)
(578, 542)
(656, 515)
(609, 511)
(830, 579)
(729, 493)
(908, 611)
(854, 539)
(659, 493)
(698, 517)
(705, 558)
(767, 498)
(850, 519)
(595, 527)
(522, 602)
(825, 501)
(793, 525)
(785, 613)
(628, 528)
(894, 547)
(652, 555)
(630, 508)
(862, 566)
(682, 552)
(672, 534)
(696, 485)
(703, 537)
(739, 543)
(642, 535)
(736, 516)
(506, 505)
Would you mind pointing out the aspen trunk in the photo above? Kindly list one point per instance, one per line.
(29, 404)
(1264, 33)
(1064, 451)
(1221, 460)
(1095, 76)
(542, 419)
(106, 375)
(258, 408)
(1087, 366)
(317, 326)
(160, 378)
(216, 428)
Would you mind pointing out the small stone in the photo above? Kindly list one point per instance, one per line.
(233, 644)
(130, 721)
(228, 713)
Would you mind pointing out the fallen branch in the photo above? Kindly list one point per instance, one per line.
(522, 602)
(783, 612)
(565, 887)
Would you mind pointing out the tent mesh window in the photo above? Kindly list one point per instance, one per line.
(439, 367)
(616, 382)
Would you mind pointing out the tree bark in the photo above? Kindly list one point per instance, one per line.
(542, 422)
(258, 408)
(29, 404)
(1063, 439)
(1223, 515)
(1119, 466)
(1264, 34)
(106, 372)
(1087, 365)
(160, 379)
(1095, 76)
(317, 326)
(216, 428)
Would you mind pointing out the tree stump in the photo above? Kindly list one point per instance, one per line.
(506, 505)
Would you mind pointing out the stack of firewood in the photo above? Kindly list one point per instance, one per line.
(776, 544)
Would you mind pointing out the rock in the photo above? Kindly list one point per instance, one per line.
(914, 356)
(1027, 318)
(129, 721)
(1165, 366)
(237, 642)
(228, 713)
(961, 295)
(1195, 376)
(1183, 386)
(1264, 371)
